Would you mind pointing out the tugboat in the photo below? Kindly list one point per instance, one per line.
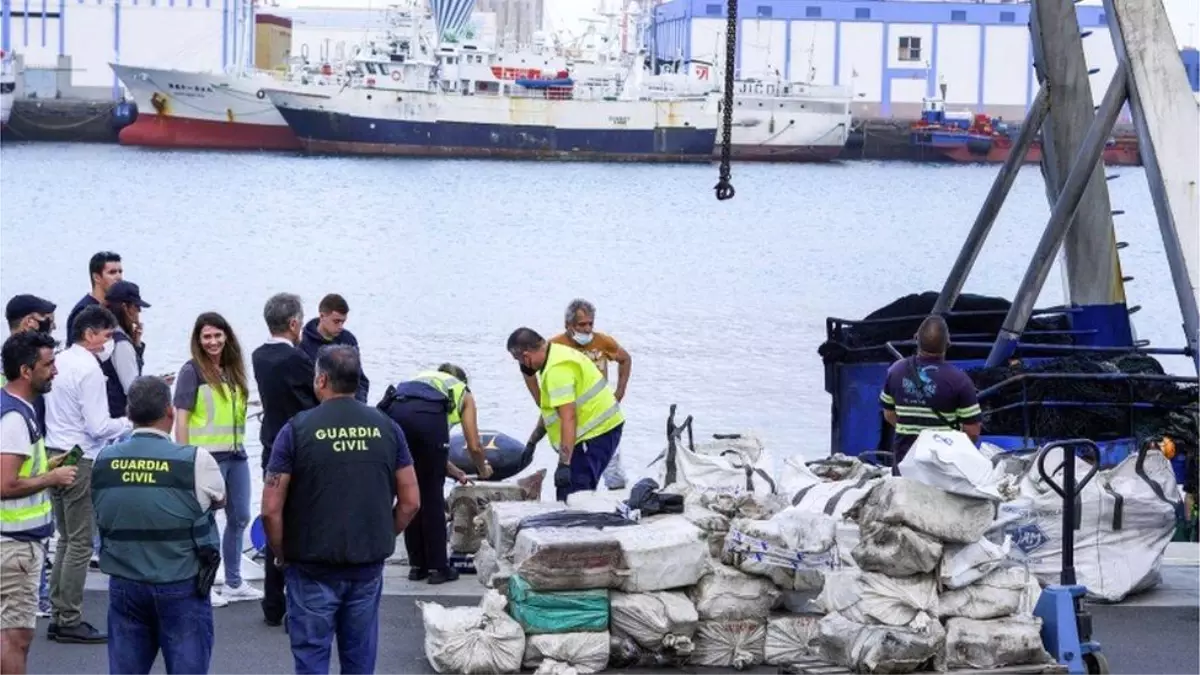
(976, 138)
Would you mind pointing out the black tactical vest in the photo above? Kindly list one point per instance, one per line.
(342, 487)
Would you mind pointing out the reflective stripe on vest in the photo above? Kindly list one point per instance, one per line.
(449, 386)
(31, 512)
(595, 404)
(215, 425)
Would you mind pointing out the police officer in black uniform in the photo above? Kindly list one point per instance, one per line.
(339, 488)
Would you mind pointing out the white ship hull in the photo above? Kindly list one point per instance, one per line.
(372, 121)
(8, 87)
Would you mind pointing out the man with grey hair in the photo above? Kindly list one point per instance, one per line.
(154, 502)
(284, 374)
(579, 321)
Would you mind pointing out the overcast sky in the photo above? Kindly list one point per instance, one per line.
(1184, 14)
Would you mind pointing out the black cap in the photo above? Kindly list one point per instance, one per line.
(125, 291)
(22, 306)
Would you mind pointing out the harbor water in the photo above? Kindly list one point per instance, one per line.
(721, 304)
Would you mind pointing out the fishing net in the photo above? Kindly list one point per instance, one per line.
(863, 341)
(1174, 414)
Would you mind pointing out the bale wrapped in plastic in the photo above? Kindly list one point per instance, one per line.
(539, 612)
(657, 621)
(793, 548)
(791, 638)
(582, 652)
(1002, 592)
(734, 503)
(837, 500)
(472, 640)
(737, 644)
(879, 649)
(565, 558)
(937, 513)
(868, 597)
(467, 502)
(964, 564)
(726, 594)
(501, 521)
(714, 526)
(896, 550)
(999, 643)
(667, 552)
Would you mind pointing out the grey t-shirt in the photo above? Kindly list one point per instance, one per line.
(187, 389)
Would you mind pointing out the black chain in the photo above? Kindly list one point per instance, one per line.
(724, 188)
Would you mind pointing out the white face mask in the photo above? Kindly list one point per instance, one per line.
(582, 339)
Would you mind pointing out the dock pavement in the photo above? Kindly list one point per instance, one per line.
(1155, 632)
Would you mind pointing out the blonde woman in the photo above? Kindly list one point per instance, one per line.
(210, 403)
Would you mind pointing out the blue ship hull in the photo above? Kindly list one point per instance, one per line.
(325, 132)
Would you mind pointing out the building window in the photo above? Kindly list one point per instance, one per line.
(764, 11)
(812, 12)
(958, 15)
(862, 13)
(1008, 17)
(910, 48)
(712, 10)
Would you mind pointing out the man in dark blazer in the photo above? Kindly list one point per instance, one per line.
(284, 374)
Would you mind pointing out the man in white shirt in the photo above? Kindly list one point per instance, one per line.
(77, 414)
(25, 475)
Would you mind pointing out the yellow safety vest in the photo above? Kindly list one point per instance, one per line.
(24, 514)
(596, 408)
(449, 386)
(218, 422)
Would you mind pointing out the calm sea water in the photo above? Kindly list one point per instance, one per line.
(721, 304)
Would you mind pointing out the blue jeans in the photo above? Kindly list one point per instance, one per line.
(318, 609)
(145, 618)
(236, 472)
(589, 460)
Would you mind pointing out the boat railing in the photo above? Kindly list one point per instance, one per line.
(835, 326)
(1055, 349)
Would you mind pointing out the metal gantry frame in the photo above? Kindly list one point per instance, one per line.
(1151, 79)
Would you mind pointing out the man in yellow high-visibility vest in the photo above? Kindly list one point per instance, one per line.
(579, 412)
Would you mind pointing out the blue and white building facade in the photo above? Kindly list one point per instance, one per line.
(202, 35)
(893, 53)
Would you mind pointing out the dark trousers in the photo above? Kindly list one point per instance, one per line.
(319, 609)
(427, 432)
(274, 604)
(588, 461)
(145, 618)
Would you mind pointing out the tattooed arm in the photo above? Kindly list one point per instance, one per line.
(275, 487)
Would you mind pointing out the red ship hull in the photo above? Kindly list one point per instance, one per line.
(157, 131)
(1122, 152)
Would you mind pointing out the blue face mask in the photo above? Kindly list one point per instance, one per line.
(582, 339)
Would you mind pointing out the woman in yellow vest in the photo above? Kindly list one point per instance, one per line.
(579, 411)
(210, 400)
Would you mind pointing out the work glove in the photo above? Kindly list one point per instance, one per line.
(562, 476)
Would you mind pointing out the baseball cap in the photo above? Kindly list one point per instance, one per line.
(126, 291)
(23, 305)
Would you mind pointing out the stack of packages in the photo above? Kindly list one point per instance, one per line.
(923, 559)
(467, 504)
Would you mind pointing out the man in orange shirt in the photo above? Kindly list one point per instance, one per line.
(601, 348)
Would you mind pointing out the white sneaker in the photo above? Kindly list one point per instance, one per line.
(216, 599)
(243, 592)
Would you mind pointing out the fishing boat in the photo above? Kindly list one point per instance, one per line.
(8, 86)
(976, 138)
(464, 102)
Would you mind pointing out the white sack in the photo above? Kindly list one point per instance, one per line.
(729, 644)
(835, 499)
(944, 516)
(896, 550)
(585, 652)
(734, 503)
(472, 640)
(725, 594)
(655, 621)
(502, 518)
(467, 502)
(1115, 556)
(486, 563)
(996, 595)
(793, 548)
(791, 638)
(840, 467)
(949, 461)
(878, 649)
(964, 564)
(714, 526)
(1000, 643)
(597, 501)
(661, 554)
(567, 558)
(796, 476)
(738, 463)
(867, 597)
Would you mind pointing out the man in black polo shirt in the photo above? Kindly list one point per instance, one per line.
(339, 489)
(104, 270)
